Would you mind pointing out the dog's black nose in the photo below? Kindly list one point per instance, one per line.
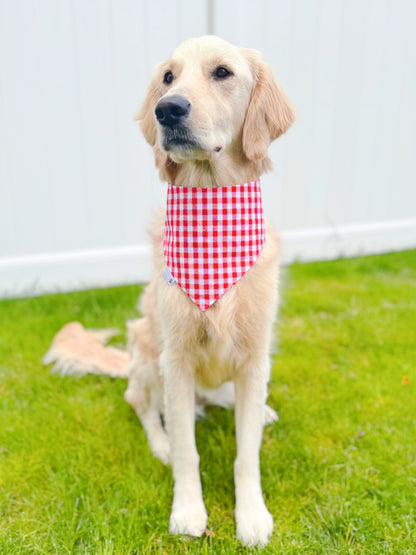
(172, 110)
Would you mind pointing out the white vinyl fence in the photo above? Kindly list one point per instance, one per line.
(77, 180)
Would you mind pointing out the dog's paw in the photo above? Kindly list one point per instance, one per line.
(254, 525)
(190, 519)
(270, 415)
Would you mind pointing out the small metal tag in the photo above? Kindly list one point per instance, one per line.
(168, 277)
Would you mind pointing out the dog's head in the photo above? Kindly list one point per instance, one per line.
(212, 98)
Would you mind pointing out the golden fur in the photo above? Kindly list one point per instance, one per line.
(234, 120)
(176, 349)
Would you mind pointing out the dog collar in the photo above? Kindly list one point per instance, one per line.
(212, 237)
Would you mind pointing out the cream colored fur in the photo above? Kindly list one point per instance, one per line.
(76, 350)
(234, 121)
(178, 353)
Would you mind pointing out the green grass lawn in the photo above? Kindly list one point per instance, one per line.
(338, 469)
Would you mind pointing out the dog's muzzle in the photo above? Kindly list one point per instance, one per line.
(171, 113)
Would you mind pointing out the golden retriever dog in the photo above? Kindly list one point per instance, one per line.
(210, 114)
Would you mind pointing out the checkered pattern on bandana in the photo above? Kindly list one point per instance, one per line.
(212, 237)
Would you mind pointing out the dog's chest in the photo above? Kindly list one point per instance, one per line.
(215, 357)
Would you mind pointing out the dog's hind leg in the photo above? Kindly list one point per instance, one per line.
(145, 390)
(224, 396)
(146, 404)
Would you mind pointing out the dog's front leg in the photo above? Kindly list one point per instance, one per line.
(188, 511)
(254, 522)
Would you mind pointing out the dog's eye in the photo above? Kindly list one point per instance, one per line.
(221, 73)
(168, 78)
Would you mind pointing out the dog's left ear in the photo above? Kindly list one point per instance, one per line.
(146, 114)
(270, 112)
(146, 117)
(147, 120)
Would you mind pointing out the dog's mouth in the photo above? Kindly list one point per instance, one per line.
(179, 137)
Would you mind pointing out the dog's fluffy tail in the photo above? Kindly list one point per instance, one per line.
(75, 350)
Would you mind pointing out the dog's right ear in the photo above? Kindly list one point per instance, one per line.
(270, 112)
(146, 114)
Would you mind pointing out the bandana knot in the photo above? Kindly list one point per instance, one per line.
(212, 237)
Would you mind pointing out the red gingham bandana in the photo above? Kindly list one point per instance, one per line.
(212, 237)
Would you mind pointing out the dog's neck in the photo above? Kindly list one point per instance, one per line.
(227, 168)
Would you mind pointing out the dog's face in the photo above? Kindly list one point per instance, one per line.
(205, 91)
(211, 97)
